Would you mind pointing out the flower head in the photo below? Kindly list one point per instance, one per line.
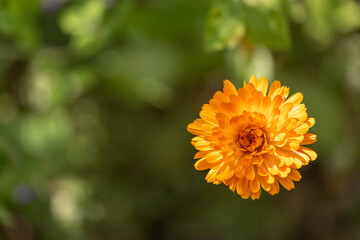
(250, 139)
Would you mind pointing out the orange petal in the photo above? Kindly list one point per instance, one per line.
(266, 186)
(243, 95)
(302, 129)
(222, 119)
(266, 105)
(255, 195)
(229, 88)
(213, 157)
(270, 164)
(199, 127)
(253, 80)
(296, 98)
(284, 171)
(311, 153)
(210, 177)
(284, 156)
(230, 108)
(254, 185)
(250, 173)
(247, 194)
(201, 164)
(274, 86)
(201, 154)
(224, 173)
(270, 179)
(220, 97)
(294, 175)
(311, 121)
(202, 145)
(250, 88)
(309, 138)
(263, 85)
(286, 183)
(242, 186)
(208, 115)
(274, 188)
(262, 170)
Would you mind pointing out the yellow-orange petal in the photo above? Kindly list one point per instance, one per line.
(311, 153)
(254, 185)
(213, 157)
(253, 80)
(309, 138)
(302, 129)
(208, 115)
(242, 186)
(296, 98)
(274, 188)
(263, 85)
(270, 179)
(311, 121)
(229, 88)
(201, 164)
(294, 175)
(255, 195)
(202, 145)
(270, 164)
(250, 173)
(210, 177)
(224, 173)
(274, 86)
(266, 186)
(200, 154)
(286, 183)
(284, 171)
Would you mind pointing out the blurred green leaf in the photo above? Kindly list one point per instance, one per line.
(268, 27)
(326, 18)
(83, 22)
(229, 22)
(347, 16)
(6, 217)
(18, 21)
(224, 29)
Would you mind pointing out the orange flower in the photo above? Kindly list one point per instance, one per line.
(251, 140)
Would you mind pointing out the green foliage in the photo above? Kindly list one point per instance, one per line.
(95, 97)
(224, 29)
(81, 22)
(268, 27)
(231, 21)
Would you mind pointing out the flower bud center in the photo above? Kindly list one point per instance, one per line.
(251, 139)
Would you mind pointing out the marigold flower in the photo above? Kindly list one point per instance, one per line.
(251, 140)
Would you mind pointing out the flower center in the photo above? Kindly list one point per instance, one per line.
(251, 139)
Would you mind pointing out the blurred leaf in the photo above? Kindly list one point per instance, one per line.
(84, 23)
(5, 19)
(224, 29)
(18, 21)
(297, 11)
(326, 18)
(6, 217)
(42, 135)
(268, 27)
(229, 22)
(347, 16)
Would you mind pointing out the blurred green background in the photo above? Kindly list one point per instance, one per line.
(95, 97)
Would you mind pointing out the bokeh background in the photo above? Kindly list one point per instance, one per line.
(95, 97)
